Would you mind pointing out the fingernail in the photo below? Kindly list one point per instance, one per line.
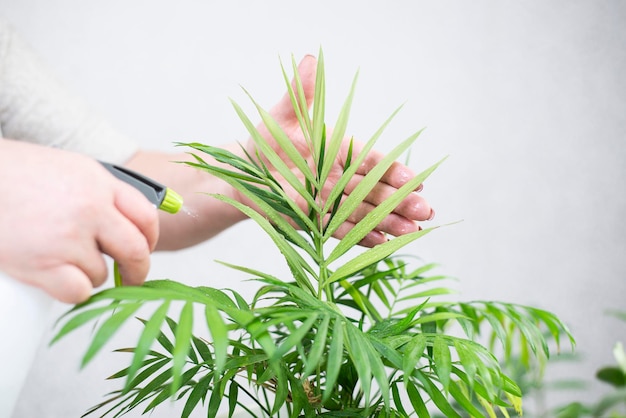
(432, 215)
(420, 188)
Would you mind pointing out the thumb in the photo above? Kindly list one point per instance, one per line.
(283, 111)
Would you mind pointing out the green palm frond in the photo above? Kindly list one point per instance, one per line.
(348, 333)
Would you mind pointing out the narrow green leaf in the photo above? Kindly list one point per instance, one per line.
(318, 127)
(468, 360)
(496, 320)
(487, 406)
(335, 359)
(81, 319)
(233, 396)
(437, 316)
(284, 142)
(301, 102)
(225, 172)
(219, 333)
(478, 388)
(214, 403)
(349, 173)
(437, 291)
(274, 159)
(436, 396)
(463, 401)
(281, 389)
(203, 349)
(364, 187)
(274, 215)
(145, 363)
(364, 304)
(163, 393)
(413, 351)
(376, 216)
(223, 156)
(554, 324)
(302, 113)
(533, 335)
(181, 345)
(198, 393)
(378, 370)
(358, 352)
(374, 255)
(146, 373)
(338, 133)
(108, 329)
(151, 389)
(295, 338)
(397, 400)
(416, 400)
(150, 332)
(443, 361)
(301, 407)
(317, 348)
(296, 263)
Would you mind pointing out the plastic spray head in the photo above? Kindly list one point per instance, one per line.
(162, 197)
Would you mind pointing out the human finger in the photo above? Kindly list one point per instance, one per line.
(124, 242)
(393, 224)
(397, 175)
(66, 283)
(413, 206)
(372, 238)
(138, 210)
(89, 259)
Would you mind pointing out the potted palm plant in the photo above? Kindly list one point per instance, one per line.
(350, 332)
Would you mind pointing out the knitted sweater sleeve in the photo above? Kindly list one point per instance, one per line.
(35, 107)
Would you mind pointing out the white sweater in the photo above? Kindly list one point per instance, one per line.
(35, 107)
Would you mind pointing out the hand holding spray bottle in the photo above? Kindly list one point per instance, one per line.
(33, 307)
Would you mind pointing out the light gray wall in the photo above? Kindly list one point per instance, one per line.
(527, 98)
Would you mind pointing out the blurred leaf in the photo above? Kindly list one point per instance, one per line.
(80, 319)
(620, 356)
(612, 375)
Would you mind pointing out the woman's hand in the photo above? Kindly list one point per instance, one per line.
(405, 217)
(60, 212)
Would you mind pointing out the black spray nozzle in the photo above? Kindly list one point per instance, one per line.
(162, 197)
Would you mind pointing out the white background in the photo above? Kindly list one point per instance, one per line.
(527, 98)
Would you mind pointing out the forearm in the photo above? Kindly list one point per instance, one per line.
(202, 216)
